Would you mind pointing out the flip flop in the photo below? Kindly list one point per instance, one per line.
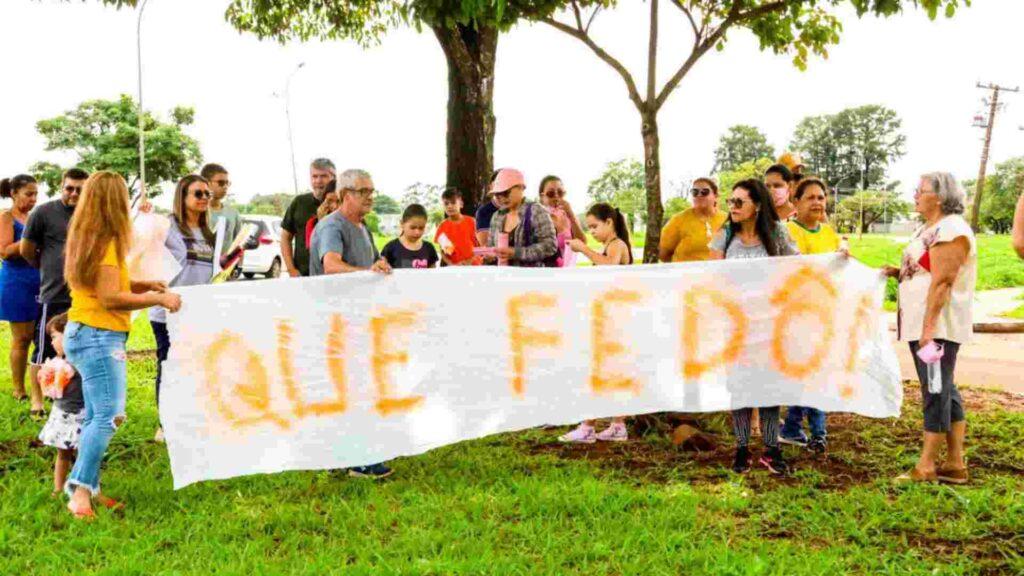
(88, 514)
(109, 503)
(38, 415)
(20, 397)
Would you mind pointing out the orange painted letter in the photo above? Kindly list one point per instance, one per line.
(384, 357)
(604, 347)
(693, 366)
(335, 369)
(251, 384)
(521, 336)
(807, 291)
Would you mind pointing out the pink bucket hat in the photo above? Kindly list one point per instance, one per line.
(507, 178)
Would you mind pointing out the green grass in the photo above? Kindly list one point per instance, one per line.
(998, 265)
(523, 504)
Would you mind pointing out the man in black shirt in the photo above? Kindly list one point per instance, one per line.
(42, 246)
(294, 250)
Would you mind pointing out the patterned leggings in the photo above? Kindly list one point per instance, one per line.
(769, 425)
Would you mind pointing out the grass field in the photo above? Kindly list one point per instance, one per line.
(523, 504)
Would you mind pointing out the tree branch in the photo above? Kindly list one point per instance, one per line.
(579, 19)
(689, 16)
(652, 53)
(591, 20)
(735, 17)
(582, 36)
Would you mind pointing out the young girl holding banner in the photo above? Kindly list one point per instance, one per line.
(608, 226)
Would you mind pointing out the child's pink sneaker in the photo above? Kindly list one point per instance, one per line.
(582, 434)
(614, 433)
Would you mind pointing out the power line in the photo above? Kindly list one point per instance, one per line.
(987, 124)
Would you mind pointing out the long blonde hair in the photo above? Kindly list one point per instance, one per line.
(101, 217)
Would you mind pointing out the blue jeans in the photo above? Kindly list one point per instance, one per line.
(99, 356)
(793, 427)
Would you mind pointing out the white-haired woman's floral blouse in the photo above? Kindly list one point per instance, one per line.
(956, 322)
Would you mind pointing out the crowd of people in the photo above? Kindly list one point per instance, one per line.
(64, 285)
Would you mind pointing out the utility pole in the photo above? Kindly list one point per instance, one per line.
(987, 124)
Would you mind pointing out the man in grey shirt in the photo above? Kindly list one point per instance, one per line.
(42, 246)
(341, 242)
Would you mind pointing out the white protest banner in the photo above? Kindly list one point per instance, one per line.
(348, 370)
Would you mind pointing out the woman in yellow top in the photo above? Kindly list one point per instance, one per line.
(812, 236)
(686, 236)
(102, 298)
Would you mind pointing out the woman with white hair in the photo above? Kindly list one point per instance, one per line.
(937, 279)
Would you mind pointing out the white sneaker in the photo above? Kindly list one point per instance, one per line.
(159, 436)
(582, 434)
(614, 433)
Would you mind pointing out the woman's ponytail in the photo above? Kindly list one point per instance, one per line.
(8, 186)
(622, 231)
(604, 211)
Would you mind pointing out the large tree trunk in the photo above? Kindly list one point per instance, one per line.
(652, 183)
(470, 53)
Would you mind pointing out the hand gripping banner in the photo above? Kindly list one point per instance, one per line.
(354, 369)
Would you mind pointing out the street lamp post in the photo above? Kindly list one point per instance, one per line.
(141, 113)
(288, 117)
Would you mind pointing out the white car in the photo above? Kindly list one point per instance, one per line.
(265, 259)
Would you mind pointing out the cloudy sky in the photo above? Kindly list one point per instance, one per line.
(559, 109)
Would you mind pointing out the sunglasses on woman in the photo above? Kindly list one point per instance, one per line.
(202, 194)
(737, 202)
(700, 192)
(555, 193)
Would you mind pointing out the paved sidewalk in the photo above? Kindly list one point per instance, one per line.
(989, 360)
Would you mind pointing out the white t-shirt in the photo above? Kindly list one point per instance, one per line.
(956, 322)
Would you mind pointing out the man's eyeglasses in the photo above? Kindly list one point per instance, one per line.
(73, 189)
(502, 195)
(737, 202)
(364, 192)
(202, 194)
(700, 192)
(222, 183)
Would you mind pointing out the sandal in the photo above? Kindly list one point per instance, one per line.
(38, 415)
(915, 477)
(108, 503)
(958, 476)
(19, 397)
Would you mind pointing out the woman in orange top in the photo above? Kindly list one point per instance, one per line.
(102, 298)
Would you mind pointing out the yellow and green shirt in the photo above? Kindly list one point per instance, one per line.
(819, 241)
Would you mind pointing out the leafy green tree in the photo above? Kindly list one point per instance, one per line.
(675, 205)
(860, 211)
(853, 148)
(819, 146)
(622, 185)
(728, 179)
(796, 27)
(1002, 189)
(269, 204)
(384, 204)
(467, 31)
(741, 143)
(104, 135)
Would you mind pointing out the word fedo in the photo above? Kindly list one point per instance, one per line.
(806, 295)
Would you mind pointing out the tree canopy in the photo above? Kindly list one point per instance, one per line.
(741, 143)
(104, 135)
(853, 148)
